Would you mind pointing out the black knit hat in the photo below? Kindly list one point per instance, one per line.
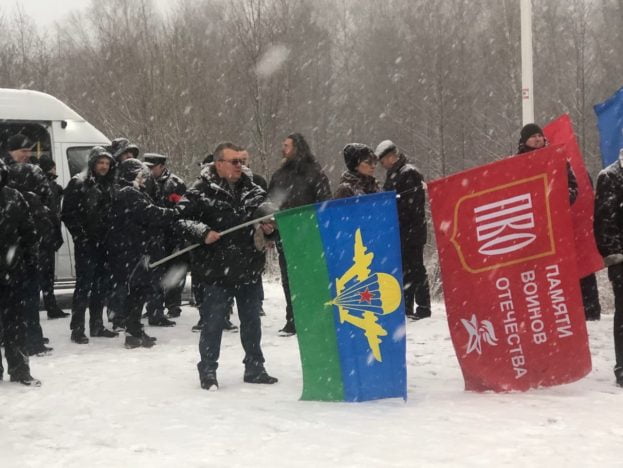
(355, 153)
(46, 163)
(527, 131)
(130, 168)
(19, 141)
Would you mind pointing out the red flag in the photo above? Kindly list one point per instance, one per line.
(560, 131)
(509, 273)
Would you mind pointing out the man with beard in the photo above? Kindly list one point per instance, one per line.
(18, 236)
(299, 181)
(408, 183)
(135, 218)
(86, 213)
(230, 266)
(30, 181)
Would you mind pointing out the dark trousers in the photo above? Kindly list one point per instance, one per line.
(137, 296)
(415, 280)
(46, 277)
(164, 294)
(92, 278)
(29, 301)
(117, 307)
(285, 282)
(615, 273)
(213, 310)
(590, 297)
(13, 329)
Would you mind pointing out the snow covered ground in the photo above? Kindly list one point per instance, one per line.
(103, 405)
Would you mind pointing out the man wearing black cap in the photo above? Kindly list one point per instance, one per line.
(165, 189)
(51, 242)
(30, 181)
(409, 185)
(87, 213)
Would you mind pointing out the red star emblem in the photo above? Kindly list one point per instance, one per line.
(366, 296)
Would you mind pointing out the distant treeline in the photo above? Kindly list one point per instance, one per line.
(440, 78)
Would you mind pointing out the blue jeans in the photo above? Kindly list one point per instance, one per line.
(213, 310)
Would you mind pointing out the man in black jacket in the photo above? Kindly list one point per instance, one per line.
(608, 227)
(408, 183)
(30, 181)
(135, 218)
(230, 266)
(18, 236)
(86, 213)
(51, 242)
(299, 181)
(165, 189)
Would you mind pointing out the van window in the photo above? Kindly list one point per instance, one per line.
(78, 158)
(37, 132)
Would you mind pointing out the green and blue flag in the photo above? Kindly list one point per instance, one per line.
(344, 268)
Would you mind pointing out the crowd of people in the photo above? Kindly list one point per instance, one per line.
(124, 213)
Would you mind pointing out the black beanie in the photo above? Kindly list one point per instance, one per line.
(17, 142)
(46, 163)
(354, 153)
(130, 168)
(527, 131)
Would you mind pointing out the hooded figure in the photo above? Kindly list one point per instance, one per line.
(121, 149)
(86, 212)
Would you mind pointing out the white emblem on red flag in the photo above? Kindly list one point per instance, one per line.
(477, 333)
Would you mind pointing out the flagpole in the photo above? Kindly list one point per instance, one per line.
(527, 89)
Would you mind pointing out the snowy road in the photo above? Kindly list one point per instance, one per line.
(104, 406)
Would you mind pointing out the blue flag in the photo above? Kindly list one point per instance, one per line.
(344, 267)
(610, 125)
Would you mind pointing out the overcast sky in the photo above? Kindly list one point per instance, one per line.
(46, 12)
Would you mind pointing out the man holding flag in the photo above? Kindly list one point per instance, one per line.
(228, 267)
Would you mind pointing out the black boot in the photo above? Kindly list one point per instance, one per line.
(103, 333)
(209, 382)
(55, 312)
(39, 350)
(229, 326)
(288, 330)
(144, 341)
(27, 380)
(160, 321)
(174, 312)
(78, 336)
(259, 377)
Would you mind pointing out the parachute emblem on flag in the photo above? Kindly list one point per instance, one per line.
(363, 296)
(477, 333)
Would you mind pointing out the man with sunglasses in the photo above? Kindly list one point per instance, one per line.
(229, 266)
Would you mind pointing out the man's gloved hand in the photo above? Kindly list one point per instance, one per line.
(613, 259)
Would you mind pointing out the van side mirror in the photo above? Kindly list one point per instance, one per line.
(63, 124)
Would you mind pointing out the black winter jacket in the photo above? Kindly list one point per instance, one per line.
(354, 183)
(608, 223)
(32, 183)
(18, 235)
(87, 204)
(211, 204)
(298, 183)
(408, 183)
(135, 219)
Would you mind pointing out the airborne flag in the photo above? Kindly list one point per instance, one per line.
(610, 125)
(345, 274)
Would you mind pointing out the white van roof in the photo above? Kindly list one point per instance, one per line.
(28, 105)
(24, 104)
